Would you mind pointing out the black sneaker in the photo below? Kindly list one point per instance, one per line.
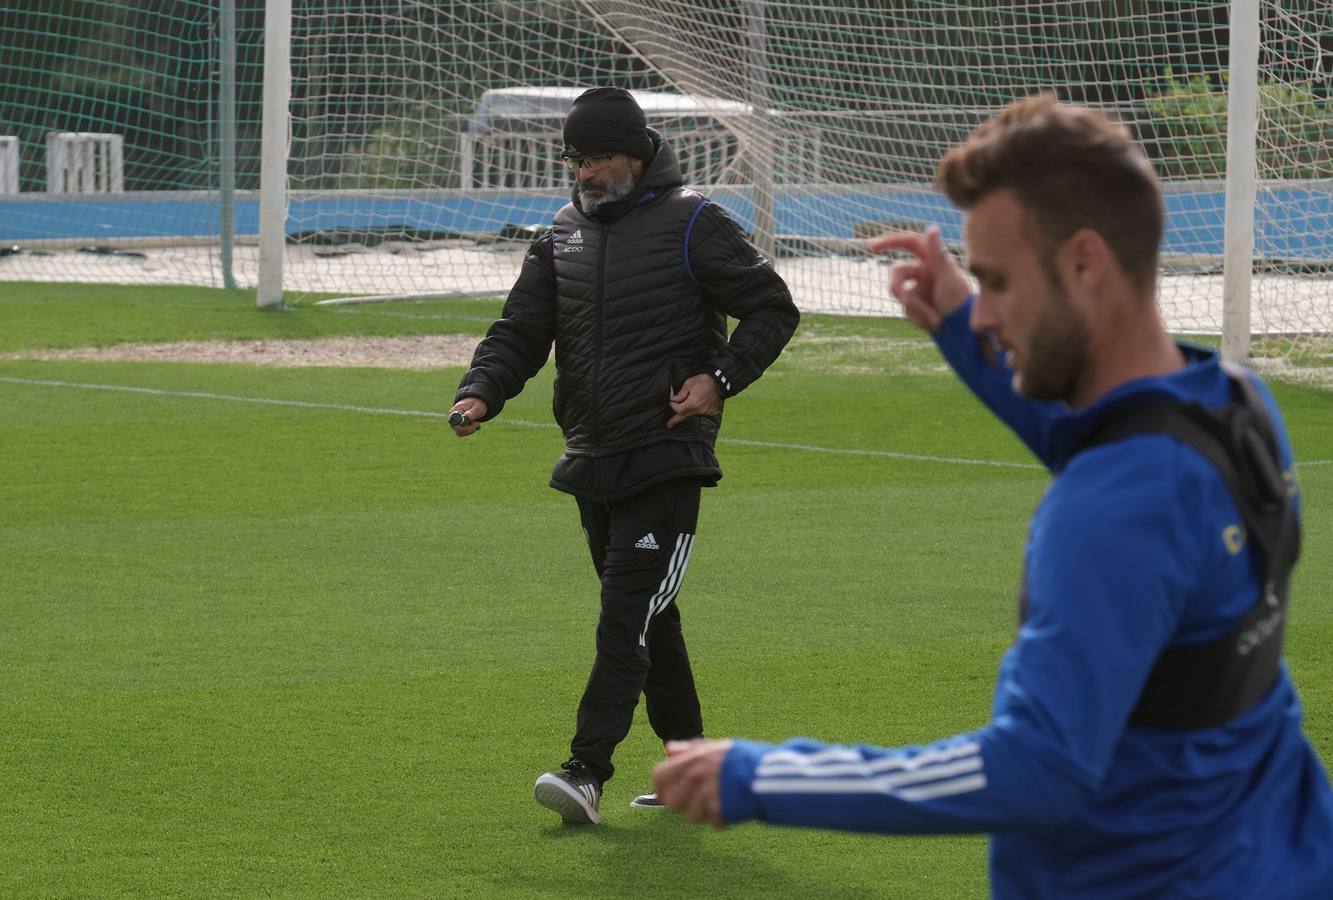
(647, 801)
(574, 792)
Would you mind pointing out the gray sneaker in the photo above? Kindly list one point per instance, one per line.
(574, 792)
(647, 801)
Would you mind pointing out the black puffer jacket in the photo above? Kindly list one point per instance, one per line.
(635, 300)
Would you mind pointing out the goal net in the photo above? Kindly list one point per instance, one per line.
(423, 142)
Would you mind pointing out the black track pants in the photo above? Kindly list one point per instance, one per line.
(640, 547)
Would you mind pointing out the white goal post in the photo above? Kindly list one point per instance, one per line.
(1242, 126)
(274, 145)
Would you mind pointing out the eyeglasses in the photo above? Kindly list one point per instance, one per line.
(595, 161)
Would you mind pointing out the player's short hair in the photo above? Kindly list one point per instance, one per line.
(1071, 168)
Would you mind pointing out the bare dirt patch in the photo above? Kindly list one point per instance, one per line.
(416, 352)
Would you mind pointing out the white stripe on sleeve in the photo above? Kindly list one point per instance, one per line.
(924, 776)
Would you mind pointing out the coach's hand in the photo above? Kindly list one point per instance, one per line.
(475, 410)
(689, 779)
(930, 285)
(698, 396)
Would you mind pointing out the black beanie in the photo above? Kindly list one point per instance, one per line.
(606, 120)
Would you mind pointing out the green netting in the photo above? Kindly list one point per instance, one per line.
(830, 116)
(146, 71)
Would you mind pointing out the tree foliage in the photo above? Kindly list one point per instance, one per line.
(1299, 121)
(380, 87)
(145, 69)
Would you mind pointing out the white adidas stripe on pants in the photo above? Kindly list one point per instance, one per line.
(670, 586)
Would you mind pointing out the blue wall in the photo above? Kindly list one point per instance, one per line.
(1292, 223)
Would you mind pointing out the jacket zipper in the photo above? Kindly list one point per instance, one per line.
(600, 299)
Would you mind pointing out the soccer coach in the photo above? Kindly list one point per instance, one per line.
(1145, 737)
(633, 285)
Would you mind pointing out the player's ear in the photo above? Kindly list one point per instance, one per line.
(1085, 259)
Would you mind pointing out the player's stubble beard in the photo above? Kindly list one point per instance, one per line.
(599, 191)
(1052, 365)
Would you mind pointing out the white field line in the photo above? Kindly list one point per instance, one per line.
(522, 423)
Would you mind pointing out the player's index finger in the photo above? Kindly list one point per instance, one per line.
(912, 243)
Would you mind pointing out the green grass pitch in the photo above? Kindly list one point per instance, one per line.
(276, 632)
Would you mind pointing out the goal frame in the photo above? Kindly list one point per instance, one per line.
(1240, 180)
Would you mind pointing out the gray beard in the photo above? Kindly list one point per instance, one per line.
(613, 189)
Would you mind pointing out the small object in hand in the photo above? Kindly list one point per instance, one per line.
(458, 419)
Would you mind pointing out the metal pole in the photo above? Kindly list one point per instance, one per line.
(227, 141)
(1242, 127)
(761, 137)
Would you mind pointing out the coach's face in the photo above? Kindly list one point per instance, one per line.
(607, 180)
(1022, 302)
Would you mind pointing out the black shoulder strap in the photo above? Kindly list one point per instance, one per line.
(1205, 685)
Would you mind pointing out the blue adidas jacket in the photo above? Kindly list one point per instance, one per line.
(1125, 557)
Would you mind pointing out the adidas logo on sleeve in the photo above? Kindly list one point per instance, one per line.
(647, 542)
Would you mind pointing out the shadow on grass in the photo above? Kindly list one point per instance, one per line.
(660, 855)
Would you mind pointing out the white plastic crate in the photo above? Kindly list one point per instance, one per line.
(9, 164)
(84, 163)
(513, 138)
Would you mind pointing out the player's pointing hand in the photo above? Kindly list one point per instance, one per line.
(931, 284)
(689, 779)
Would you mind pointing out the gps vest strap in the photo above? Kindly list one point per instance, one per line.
(1206, 685)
